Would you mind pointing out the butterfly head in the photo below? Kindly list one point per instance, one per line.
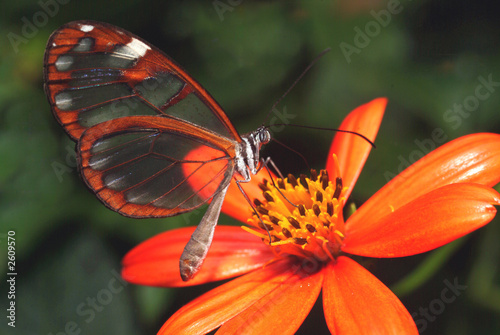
(249, 157)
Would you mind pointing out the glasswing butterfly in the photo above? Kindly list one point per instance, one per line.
(145, 130)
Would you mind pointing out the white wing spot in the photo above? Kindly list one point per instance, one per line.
(85, 44)
(86, 28)
(64, 62)
(139, 47)
(63, 101)
(115, 183)
(138, 197)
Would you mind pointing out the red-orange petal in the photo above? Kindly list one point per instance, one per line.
(223, 303)
(282, 311)
(427, 222)
(356, 302)
(155, 262)
(469, 159)
(351, 150)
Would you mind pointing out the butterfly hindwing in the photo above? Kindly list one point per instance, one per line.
(143, 166)
(95, 72)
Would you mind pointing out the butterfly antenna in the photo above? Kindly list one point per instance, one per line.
(315, 60)
(329, 129)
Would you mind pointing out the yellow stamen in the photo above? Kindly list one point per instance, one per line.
(304, 216)
(256, 233)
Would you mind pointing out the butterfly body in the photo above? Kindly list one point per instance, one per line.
(145, 130)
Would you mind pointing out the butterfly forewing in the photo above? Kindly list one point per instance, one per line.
(95, 72)
(144, 166)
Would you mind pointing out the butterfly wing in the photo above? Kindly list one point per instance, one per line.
(145, 128)
(95, 72)
(142, 166)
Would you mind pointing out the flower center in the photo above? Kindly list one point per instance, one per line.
(303, 217)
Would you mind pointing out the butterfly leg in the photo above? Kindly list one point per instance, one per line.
(264, 163)
(251, 205)
(269, 161)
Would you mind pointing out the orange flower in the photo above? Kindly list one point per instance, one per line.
(440, 198)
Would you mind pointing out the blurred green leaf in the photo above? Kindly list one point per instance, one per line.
(77, 288)
(428, 58)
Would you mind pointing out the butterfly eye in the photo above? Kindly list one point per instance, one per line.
(264, 136)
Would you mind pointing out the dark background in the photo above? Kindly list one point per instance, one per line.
(426, 57)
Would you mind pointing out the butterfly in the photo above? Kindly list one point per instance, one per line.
(145, 130)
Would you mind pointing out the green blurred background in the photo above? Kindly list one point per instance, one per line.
(426, 57)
